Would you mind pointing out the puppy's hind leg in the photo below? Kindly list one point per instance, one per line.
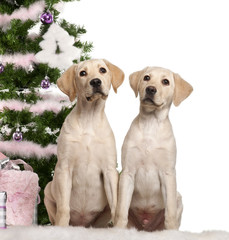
(50, 203)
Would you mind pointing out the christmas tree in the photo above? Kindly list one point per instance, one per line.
(32, 109)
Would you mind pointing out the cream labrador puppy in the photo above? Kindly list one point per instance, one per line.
(148, 198)
(85, 180)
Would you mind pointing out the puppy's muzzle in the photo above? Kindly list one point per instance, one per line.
(96, 84)
(149, 96)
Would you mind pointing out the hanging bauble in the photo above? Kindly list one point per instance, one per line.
(1, 68)
(45, 83)
(17, 136)
(46, 18)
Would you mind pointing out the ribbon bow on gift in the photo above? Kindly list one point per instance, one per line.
(13, 164)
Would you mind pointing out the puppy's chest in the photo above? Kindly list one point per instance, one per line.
(91, 132)
(151, 139)
(155, 135)
(87, 135)
(89, 145)
(154, 146)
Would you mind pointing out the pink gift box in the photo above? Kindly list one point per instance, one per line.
(22, 190)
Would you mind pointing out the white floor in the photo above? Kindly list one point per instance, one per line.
(80, 233)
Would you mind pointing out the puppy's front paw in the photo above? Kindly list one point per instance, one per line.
(62, 218)
(62, 223)
(169, 225)
(121, 223)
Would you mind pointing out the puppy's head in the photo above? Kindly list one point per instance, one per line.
(90, 79)
(159, 87)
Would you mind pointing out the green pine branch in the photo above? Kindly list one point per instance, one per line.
(16, 39)
(9, 6)
(36, 133)
(18, 78)
(45, 168)
(30, 98)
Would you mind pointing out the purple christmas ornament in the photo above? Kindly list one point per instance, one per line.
(1, 68)
(17, 136)
(46, 18)
(45, 83)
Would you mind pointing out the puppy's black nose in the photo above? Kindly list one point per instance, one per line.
(151, 90)
(95, 82)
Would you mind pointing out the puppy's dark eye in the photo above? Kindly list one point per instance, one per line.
(146, 78)
(102, 70)
(165, 82)
(83, 73)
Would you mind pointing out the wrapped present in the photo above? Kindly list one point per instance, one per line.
(2, 210)
(22, 190)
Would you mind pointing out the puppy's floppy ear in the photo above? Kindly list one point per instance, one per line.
(117, 75)
(134, 81)
(182, 89)
(66, 82)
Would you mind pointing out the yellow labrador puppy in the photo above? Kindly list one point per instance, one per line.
(148, 198)
(85, 179)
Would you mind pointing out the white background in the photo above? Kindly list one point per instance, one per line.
(190, 38)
